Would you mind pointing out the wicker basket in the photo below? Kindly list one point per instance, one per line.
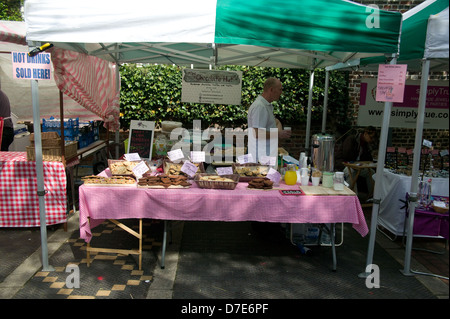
(53, 153)
(440, 209)
(48, 139)
(217, 184)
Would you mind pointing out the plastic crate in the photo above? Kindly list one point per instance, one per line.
(71, 127)
(84, 140)
(96, 133)
(89, 133)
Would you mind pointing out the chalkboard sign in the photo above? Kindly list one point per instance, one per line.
(140, 139)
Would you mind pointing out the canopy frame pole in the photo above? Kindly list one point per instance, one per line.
(308, 118)
(412, 202)
(39, 169)
(378, 182)
(325, 101)
(117, 133)
(61, 119)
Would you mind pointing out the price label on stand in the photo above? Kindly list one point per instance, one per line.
(268, 160)
(140, 169)
(197, 157)
(132, 157)
(244, 159)
(427, 143)
(175, 155)
(224, 170)
(189, 168)
(274, 176)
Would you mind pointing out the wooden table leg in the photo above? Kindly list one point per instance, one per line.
(138, 251)
(353, 179)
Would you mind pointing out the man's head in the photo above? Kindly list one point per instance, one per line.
(272, 89)
(369, 134)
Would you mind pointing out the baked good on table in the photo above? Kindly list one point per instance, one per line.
(252, 171)
(94, 179)
(175, 168)
(164, 180)
(121, 180)
(116, 180)
(122, 167)
(216, 178)
(260, 183)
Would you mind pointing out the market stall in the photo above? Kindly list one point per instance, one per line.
(393, 191)
(100, 202)
(208, 33)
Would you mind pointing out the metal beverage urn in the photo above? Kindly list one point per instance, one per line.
(322, 152)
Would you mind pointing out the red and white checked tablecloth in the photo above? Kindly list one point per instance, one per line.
(19, 203)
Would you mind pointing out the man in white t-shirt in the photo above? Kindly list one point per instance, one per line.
(263, 129)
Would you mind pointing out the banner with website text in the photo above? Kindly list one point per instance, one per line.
(404, 115)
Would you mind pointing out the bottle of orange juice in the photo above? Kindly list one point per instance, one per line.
(290, 177)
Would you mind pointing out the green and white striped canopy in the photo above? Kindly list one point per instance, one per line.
(288, 33)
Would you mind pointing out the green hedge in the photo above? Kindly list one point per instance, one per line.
(153, 92)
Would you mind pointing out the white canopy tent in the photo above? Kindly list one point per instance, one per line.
(424, 46)
(222, 32)
(309, 35)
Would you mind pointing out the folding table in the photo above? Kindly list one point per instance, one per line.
(98, 203)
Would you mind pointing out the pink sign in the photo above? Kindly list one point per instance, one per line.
(391, 82)
(37, 67)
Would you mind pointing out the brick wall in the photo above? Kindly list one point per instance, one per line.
(391, 5)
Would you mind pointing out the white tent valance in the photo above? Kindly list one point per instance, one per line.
(436, 43)
(293, 35)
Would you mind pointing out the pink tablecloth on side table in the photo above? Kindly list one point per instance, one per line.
(241, 204)
(19, 204)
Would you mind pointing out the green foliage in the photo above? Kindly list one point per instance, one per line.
(10, 10)
(153, 92)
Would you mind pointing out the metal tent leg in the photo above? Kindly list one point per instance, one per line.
(164, 245)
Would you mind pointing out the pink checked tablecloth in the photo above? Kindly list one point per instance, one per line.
(241, 204)
(19, 204)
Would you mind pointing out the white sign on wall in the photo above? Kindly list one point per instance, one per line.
(405, 114)
(211, 87)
